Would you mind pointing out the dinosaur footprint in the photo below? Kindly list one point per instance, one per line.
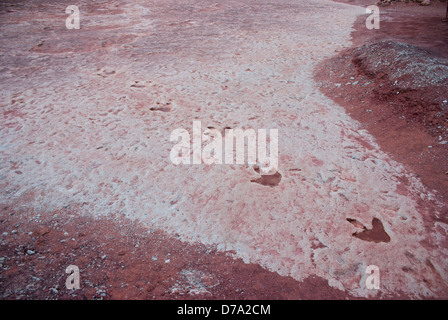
(376, 234)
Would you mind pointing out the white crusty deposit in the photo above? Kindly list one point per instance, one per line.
(87, 116)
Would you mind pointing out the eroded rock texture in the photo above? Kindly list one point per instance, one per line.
(86, 118)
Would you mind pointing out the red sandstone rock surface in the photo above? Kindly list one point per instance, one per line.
(86, 178)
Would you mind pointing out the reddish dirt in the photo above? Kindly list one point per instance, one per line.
(409, 121)
(119, 259)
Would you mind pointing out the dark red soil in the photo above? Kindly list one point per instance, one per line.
(120, 259)
(385, 87)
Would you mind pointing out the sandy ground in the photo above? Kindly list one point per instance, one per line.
(85, 136)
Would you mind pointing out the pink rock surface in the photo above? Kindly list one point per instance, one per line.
(87, 116)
